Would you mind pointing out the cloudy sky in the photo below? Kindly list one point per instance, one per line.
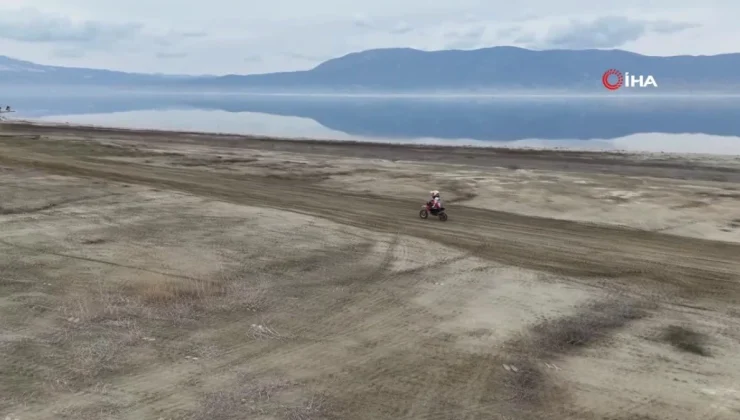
(248, 36)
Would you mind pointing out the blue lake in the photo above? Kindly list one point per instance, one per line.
(668, 124)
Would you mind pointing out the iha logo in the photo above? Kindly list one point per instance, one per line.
(613, 80)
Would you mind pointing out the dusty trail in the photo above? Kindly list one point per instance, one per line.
(693, 266)
(275, 284)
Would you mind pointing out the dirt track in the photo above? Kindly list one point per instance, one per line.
(357, 300)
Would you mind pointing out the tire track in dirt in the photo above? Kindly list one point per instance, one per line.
(389, 323)
(267, 352)
(562, 247)
(93, 260)
(372, 303)
(273, 357)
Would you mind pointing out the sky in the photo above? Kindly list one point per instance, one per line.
(248, 36)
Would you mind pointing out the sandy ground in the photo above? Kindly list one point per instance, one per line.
(154, 275)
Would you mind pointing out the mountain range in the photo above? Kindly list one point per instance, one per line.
(410, 70)
(20, 72)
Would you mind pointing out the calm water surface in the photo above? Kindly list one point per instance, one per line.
(704, 125)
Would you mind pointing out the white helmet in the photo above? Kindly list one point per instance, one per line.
(434, 193)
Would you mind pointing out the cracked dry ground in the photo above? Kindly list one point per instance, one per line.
(154, 275)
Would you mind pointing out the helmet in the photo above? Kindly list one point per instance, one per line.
(434, 193)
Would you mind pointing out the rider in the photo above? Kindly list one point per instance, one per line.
(436, 201)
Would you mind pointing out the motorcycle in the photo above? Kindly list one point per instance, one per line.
(426, 210)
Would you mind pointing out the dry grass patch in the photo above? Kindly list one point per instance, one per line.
(106, 410)
(587, 327)
(106, 330)
(73, 358)
(99, 355)
(315, 408)
(686, 340)
(248, 397)
(161, 289)
(526, 381)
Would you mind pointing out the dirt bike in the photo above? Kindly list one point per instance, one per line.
(426, 210)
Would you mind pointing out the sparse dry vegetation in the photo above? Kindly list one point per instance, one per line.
(588, 326)
(210, 278)
(686, 340)
(246, 397)
(526, 379)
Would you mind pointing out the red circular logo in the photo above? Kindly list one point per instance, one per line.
(612, 86)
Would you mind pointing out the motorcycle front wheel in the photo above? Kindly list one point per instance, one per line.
(423, 214)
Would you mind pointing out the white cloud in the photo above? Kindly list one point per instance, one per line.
(249, 36)
(609, 32)
(30, 25)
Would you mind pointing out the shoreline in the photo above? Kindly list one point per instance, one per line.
(370, 143)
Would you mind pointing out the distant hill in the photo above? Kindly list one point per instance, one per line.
(410, 70)
(18, 72)
(497, 68)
